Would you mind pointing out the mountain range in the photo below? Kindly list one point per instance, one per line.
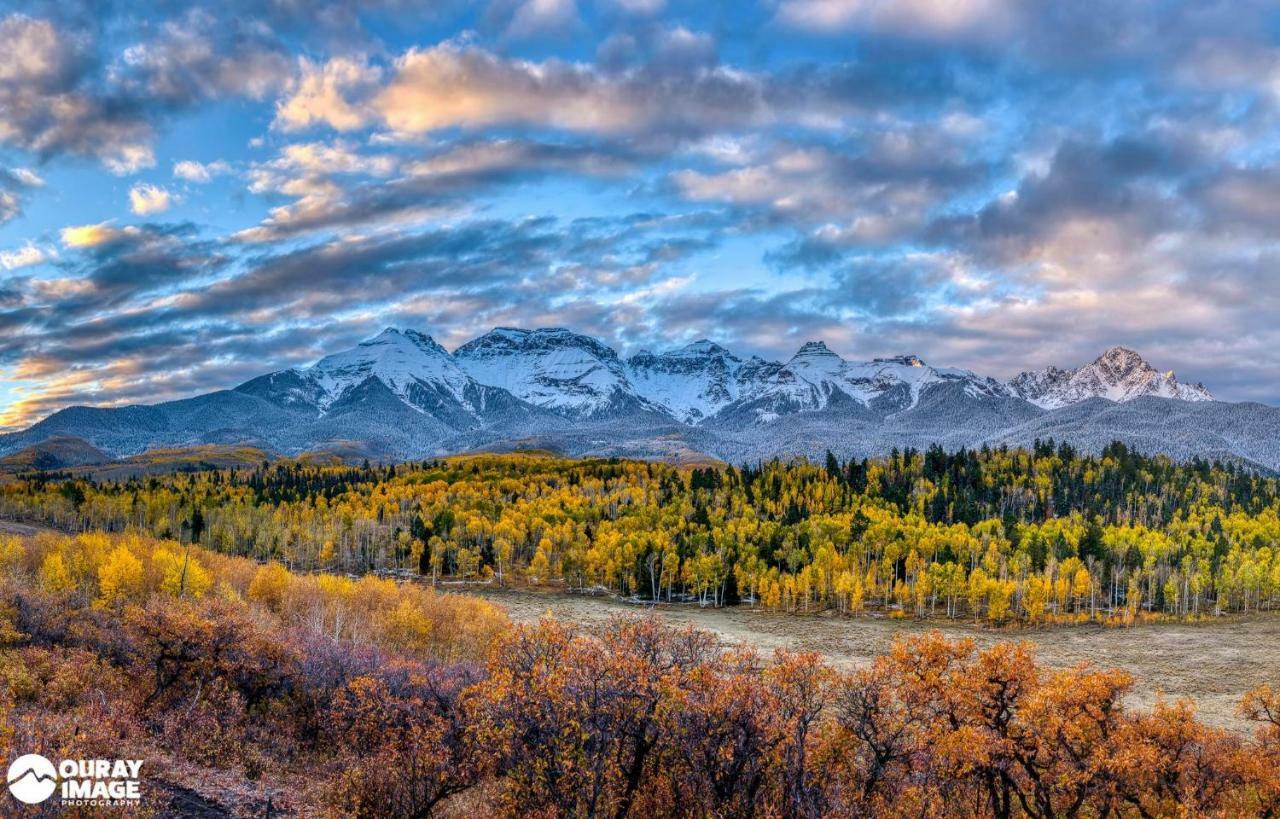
(401, 395)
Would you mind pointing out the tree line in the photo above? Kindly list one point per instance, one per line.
(1040, 534)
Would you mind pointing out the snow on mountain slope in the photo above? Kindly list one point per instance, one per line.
(551, 368)
(1119, 374)
(698, 380)
(815, 376)
(400, 359)
(401, 395)
(404, 366)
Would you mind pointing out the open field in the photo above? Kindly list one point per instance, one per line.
(12, 527)
(1213, 663)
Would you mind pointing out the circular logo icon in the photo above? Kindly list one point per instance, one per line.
(32, 779)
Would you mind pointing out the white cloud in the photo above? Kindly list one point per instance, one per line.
(917, 17)
(27, 177)
(456, 86)
(191, 58)
(542, 17)
(453, 85)
(13, 184)
(200, 172)
(304, 169)
(145, 200)
(324, 94)
(25, 256)
(10, 205)
(33, 50)
(129, 159)
(335, 157)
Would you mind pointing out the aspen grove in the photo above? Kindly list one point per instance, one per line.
(998, 535)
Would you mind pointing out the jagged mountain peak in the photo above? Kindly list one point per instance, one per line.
(811, 349)
(403, 360)
(1120, 353)
(695, 381)
(542, 337)
(701, 347)
(1121, 360)
(398, 383)
(394, 335)
(550, 367)
(1119, 374)
(906, 360)
(816, 376)
(392, 342)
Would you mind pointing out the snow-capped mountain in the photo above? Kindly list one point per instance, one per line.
(815, 377)
(410, 364)
(401, 395)
(406, 361)
(552, 368)
(1119, 374)
(393, 371)
(698, 380)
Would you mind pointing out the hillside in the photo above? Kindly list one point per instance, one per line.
(402, 396)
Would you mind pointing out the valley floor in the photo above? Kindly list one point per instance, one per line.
(1212, 663)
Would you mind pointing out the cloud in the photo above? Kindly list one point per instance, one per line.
(79, 236)
(1204, 46)
(545, 256)
(46, 108)
(664, 83)
(452, 85)
(129, 159)
(913, 283)
(36, 52)
(1093, 198)
(26, 256)
(1243, 199)
(199, 172)
(198, 56)
(990, 18)
(667, 85)
(431, 185)
(113, 266)
(873, 189)
(145, 200)
(15, 183)
(539, 18)
(338, 157)
(68, 86)
(329, 94)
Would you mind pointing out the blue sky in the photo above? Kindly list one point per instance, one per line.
(191, 195)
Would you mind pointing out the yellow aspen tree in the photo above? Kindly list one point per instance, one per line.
(53, 575)
(119, 578)
(269, 585)
(1034, 597)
